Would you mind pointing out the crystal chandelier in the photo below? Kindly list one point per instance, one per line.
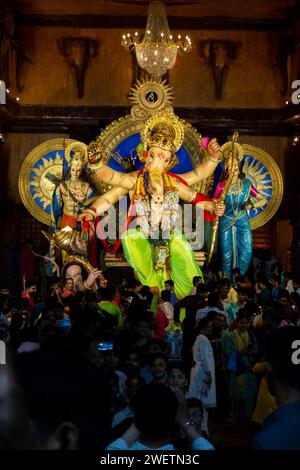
(157, 51)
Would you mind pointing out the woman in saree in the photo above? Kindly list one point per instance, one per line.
(240, 348)
(235, 235)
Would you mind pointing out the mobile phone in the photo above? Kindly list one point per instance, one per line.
(63, 323)
(105, 346)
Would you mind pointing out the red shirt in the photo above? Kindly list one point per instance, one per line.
(161, 322)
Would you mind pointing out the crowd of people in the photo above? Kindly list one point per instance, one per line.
(127, 367)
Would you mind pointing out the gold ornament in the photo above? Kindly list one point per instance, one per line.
(37, 177)
(164, 130)
(265, 175)
(149, 96)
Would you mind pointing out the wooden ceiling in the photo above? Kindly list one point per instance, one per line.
(252, 14)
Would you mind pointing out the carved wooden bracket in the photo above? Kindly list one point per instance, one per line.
(7, 28)
(285, 49)
(78, 52)
(218, 55)
(22, 61)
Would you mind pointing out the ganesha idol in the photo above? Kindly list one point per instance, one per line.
(155, 193)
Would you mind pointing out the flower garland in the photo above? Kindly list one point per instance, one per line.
(157, 222)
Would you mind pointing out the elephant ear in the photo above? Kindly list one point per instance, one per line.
(173, 162)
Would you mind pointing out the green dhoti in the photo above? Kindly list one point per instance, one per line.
(140, 254)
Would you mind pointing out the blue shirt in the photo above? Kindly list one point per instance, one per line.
(119, 444)
(281, 430)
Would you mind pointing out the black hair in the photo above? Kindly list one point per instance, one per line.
(243, 314)
(170, 282)
(276, 278)
(176, 365)
(281, 348)
(155, 356)
(202, 289)
(165, 295)
(213, 299)
(202, 324)
(155, 407)
(108, 292)
(284, 293)
(195, 403)
(196, 279)
(224, 282)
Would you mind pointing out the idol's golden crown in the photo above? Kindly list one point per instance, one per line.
(162, 136)
(164, 130)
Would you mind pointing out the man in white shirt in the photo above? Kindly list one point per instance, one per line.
(156, 409)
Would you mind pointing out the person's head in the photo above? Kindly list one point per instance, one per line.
(30, 287)
(132, 362)
(276, 269)
(195, 412)
(145, 292)
(69, 284)
(294, 299)
(202, 291)
(283, 358)
(284, 299)
(296, 282)
(158, 365)
(213, 299)
(133, 384)
(108, 293)
(94, 354)
(111, 359)
(165, 295)
(243, 320)
(177, 376)
(286, 277)
(155, 407)
(242, 295)
(132, 284)
(156, 346)
(142, 326)
(275, 280)
(219, 322)
(197, 280)
(205, 326)
(263, 283)
(224, 288)
(267, 319)
(169, 285)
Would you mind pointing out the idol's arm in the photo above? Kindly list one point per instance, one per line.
(206, 168)
(188, 195)
(114, 178)
(260, 201)
(103, 203)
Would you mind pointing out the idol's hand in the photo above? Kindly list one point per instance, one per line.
(92, 278)
(86, 217)
(219, 208)
(214, 149)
